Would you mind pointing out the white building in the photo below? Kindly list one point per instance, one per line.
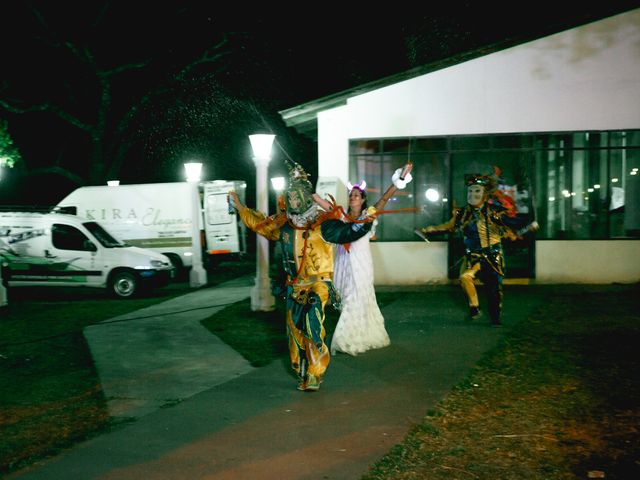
(559, 115)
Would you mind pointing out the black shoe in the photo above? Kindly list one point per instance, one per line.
(474, 313)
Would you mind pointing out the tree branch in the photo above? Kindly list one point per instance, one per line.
(56, 170)
(47, 107)
(210, 55)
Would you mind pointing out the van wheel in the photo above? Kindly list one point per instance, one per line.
(175, 261)
(124, 284)
(182, 273)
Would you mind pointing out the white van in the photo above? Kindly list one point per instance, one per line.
(160, 217)
(44, 249)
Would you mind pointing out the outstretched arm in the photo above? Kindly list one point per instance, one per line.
(253, 219)
(335, 231)
(234, 201)
(322, 202)
(385, 197)
(401, 177)
(444, 227)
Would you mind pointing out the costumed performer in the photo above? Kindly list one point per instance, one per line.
(305, 237)
(488, 217)
(361, 324)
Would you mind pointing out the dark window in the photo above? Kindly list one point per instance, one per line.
(66, 237)
(395, 145)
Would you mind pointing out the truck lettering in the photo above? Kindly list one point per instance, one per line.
(153, 218)
(147, 220)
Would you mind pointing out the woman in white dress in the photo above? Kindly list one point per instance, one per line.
(361, 324)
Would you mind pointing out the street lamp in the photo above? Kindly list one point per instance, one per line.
(198, 275)
(278, 183)
(261, 298)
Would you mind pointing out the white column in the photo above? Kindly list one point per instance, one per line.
(261, 298)
(198, 275)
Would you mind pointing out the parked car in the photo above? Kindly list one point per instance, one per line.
(52, 249)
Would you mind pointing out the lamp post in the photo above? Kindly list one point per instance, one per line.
(197, 275)
(261, 298)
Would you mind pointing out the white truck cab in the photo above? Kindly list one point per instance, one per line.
(40, 249)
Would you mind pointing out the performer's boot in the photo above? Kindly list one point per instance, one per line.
(474, 312)
(495, 311)
(302, 375)
(493, 285)
(495, 315)
(313, 383)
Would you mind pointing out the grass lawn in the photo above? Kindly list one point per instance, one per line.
(559, 398)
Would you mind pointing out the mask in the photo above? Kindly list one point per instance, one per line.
(475, 195)
(298, 198)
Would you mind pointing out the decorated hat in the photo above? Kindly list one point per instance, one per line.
(298, 194)
(476, 179)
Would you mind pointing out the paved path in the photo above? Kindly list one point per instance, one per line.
(161, 354)
(256, 425)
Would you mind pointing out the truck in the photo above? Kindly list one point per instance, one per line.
(53, 249)
(224, 234)
(160, 217)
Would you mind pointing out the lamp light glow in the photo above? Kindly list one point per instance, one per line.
(193, 171)
(432, 195)
(261, 144)
(277, 183)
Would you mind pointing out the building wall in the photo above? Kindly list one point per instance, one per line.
(409, 263)
(587, 261)
(586, 78)
(557, 261)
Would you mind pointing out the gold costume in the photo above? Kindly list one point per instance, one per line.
(307, 254)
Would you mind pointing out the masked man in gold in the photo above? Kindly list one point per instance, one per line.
(488, 217)
(305, 235)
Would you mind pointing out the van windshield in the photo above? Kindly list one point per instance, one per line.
(102, 235)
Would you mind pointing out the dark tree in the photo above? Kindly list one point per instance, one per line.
(102, 95)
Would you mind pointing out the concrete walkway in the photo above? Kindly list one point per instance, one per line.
(162, 354)
(254, 424)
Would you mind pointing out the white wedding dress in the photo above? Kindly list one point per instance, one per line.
(361, 325)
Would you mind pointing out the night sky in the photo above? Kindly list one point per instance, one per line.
(59, 52)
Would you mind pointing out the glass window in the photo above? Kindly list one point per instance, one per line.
(395, 145)
(577, 185)
(102, 235)
(66, 237)
(513, 141)
(625, 139)
(624, 196)
(470, 143)
(363, 147)
(430, 144)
